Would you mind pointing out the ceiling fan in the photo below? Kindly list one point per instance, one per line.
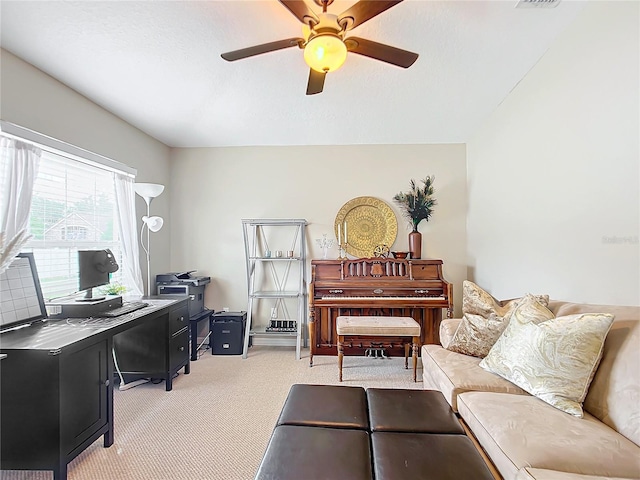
(325, 43)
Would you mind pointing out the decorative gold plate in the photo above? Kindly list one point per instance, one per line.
(370, 222)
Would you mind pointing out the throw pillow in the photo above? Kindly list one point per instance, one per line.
(553, 358)
(483, 320)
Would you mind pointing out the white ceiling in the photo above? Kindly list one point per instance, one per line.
(157, 65)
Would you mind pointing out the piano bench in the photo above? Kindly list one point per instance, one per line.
(367, 326)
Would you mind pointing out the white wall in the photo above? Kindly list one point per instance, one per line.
(214, 189)
(34, 100)
(553, 175)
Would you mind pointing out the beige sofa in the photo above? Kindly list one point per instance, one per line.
(528, 439)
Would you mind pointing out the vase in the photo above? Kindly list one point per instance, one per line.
(415, 245)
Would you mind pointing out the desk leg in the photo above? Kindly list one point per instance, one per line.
(109, 436)
(60, 473)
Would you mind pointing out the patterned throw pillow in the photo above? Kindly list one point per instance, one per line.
(483, 320)
(553, 358)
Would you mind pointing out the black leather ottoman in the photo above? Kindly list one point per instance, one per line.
(325, 406)
(416, 411)
(316, 453)
(426, 456)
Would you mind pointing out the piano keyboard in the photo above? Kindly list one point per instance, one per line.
(340, 297)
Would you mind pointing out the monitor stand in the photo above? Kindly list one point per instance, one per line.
(70, 308)
(88, 297)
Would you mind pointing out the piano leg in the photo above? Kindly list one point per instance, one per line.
(340, 353)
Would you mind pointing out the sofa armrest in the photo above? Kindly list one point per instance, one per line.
(448, 328)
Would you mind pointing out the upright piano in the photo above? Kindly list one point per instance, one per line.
(376, 287)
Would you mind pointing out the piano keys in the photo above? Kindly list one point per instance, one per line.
(375, 286)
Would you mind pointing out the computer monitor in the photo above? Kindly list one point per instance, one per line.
(21, 302)
(94, 269)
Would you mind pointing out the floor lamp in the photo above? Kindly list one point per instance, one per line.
(149, 191)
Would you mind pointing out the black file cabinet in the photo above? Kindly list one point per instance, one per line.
(227, 332)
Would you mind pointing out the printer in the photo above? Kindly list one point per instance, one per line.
(184, 283)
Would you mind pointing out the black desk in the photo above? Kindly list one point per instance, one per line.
(193, 325)
(56, 386)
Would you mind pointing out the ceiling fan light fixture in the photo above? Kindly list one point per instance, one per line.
(325, 52)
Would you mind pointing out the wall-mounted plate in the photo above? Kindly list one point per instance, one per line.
(370, 222)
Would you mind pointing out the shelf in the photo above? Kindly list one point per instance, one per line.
(272, 334)
(265, 294)
(275, 259)
(274, 221)
(277, 283)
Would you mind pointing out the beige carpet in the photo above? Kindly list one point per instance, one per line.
(216, 422)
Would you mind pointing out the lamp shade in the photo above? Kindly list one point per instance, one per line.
(154, 224)
(325, 52)
(148, 191)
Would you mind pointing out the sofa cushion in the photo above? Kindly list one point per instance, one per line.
(542, 474)
(483, 320)
(520, 431)
(614, 394)
(453, 373)
(552, 358)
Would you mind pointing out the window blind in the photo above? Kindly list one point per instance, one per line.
(73, 208)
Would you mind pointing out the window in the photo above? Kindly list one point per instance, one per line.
(75, 232)
(73, 208)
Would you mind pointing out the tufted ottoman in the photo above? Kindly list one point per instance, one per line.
(365, 326)
(328, 432)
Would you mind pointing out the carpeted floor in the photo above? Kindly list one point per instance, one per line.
(216, 422)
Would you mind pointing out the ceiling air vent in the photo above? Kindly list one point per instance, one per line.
(537, 3)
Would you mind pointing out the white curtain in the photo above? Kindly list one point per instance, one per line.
(125, 198)
(18, 172)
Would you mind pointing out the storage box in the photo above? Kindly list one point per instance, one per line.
(227, 333)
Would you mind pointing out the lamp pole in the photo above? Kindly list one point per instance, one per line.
(148, 251)
(148, 191)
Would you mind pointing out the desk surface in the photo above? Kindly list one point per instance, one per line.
(52, 334)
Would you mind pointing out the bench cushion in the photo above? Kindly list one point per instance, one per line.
(325, 406)
(378, 326)
(316, 453)
(422, 411)
(423, 455)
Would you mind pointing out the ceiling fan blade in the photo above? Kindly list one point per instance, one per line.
(300, 10)
(259, 49)
(365, 10)
(380, 51)
(316, 82)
